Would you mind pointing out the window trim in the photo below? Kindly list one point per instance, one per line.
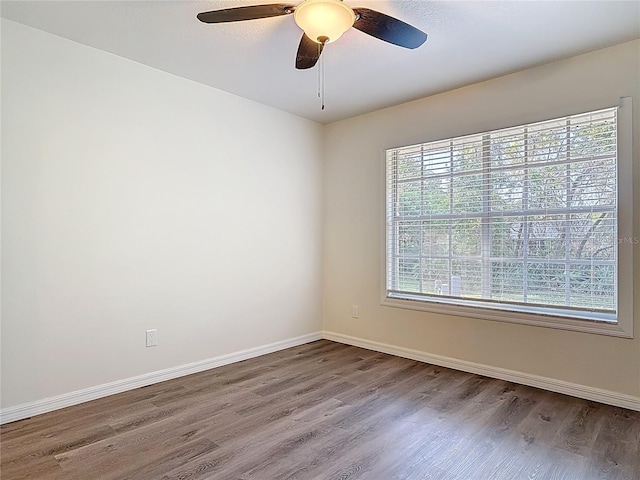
(621, 327)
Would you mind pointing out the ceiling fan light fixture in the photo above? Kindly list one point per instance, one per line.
(324, 21)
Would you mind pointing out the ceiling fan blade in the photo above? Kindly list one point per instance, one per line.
(388, 28)
(246, 13)
(308, 53)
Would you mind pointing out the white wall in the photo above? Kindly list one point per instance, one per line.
(353, 221)
(134, 199)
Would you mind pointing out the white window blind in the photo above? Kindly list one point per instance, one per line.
(523, 218)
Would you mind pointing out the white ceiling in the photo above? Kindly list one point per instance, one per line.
(469, 41)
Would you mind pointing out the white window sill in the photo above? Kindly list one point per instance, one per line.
(611, 328)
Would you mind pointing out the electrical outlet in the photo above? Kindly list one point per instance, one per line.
(355, 311)
(152, 338)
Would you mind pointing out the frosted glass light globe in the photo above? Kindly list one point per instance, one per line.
(324, 19)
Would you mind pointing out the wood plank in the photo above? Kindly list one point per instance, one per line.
(327, 411)
(150, 448)
(615, 447)
(581, 427)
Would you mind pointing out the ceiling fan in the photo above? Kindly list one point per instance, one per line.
(324, 21)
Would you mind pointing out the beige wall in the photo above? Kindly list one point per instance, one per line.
(353, 221)
(133, 199)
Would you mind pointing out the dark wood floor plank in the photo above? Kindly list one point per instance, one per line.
(326, 444)
(581, 427)
(252, 456)
(55, 443)
(325, 411)
(450, 440)
(35, 468)
(153, 447)
(522, 454)
(384, 429)
(615, 448)
(636, 466)
(518, 459)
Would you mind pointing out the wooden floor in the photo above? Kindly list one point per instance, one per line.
(327, 411)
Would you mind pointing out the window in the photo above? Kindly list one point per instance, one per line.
(523, 220)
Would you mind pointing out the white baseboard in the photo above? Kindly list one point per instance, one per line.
(551, 384)
(19, 412)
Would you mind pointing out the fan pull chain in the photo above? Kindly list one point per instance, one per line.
(320, 73)
(322, 81)
(323, 41)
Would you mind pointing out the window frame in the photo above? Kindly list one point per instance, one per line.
(621, 326)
